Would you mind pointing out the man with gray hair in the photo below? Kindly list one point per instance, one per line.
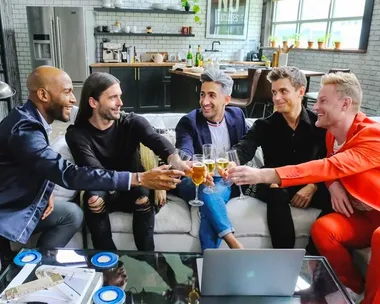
(287, 137)
(214, 123)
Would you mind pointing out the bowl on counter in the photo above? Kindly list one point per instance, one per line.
(160, 6)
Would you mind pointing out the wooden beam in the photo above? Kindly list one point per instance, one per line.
(8, 46)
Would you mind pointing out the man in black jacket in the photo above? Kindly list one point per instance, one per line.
(287, 137)
(103, 137)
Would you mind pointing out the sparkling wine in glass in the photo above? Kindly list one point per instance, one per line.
(197, 177)
(233, 157)
(209, 156)
(222, 164)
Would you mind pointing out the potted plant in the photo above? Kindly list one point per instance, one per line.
(186, 4)
(296, 38)
(272, 41)
(337, 43)
(321, 43)
(310, 43)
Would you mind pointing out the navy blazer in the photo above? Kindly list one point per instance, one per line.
(192, 131)
(29, 169)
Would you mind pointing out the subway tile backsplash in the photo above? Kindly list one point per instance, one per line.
(159, 22)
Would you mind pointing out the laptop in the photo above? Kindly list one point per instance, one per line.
(249, 272)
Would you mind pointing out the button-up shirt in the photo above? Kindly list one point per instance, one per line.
(281, 144)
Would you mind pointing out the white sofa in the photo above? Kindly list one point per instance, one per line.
(177, 224)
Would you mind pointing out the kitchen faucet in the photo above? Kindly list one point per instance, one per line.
(212, 47)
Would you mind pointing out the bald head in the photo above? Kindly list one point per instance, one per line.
(51, 90)
(45, 77)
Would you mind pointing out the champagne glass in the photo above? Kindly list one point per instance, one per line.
(233, 157)
(222, 164)
(209, 156)
(197, 177)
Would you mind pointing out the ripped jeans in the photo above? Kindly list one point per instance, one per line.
(143, 217)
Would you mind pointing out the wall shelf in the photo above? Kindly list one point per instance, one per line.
(142, 11)
(143, 34)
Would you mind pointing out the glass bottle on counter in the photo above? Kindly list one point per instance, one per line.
(198, 57)
(189, 61)
(124, 53)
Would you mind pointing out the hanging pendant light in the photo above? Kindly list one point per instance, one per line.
(6, 91)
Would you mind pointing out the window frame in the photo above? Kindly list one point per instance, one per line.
(366, 21)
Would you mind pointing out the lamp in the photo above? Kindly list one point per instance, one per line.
(6, 91)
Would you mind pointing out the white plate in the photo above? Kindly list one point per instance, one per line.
(159, 6)
(196, 70)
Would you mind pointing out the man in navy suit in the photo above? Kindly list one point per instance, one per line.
(213, 123)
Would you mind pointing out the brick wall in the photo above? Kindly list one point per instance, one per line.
(171, 22)
(365, 66)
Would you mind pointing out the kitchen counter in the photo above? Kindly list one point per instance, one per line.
(236, 75)
(132, 65)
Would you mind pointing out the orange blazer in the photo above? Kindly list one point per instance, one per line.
(356, 165)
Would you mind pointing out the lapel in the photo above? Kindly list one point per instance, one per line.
(231, 126)
(203, 129)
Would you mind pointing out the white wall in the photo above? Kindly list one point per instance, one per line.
(143, 44)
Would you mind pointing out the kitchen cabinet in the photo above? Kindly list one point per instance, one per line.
(128, 83)
(143, 88)
(184, 93)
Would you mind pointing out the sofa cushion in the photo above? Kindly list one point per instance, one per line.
(174, 217)
(248, 217)
(60, 146)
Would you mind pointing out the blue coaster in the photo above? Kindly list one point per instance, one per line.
(105, 260)
(109, 295)
(27, 257)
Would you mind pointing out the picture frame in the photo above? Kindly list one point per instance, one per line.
(227, 19)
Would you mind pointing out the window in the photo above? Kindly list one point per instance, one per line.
(327, 20)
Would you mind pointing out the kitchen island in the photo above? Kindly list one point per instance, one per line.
(186, 85)
(147, 86)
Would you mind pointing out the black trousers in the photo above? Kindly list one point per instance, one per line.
(143, 217)
(279, 217)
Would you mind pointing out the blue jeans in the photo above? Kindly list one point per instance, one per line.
(60, 226)
(214, 220)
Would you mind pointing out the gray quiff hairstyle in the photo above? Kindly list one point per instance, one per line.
(218, 76)
(296, 77)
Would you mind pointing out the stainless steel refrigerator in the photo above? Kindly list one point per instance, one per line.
(62, 37)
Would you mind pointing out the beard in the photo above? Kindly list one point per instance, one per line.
(57, 112)
(108, 114)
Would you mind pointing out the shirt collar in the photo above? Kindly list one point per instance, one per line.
(304, 116)
(47, 127)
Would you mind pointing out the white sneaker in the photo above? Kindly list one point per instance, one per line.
(357, 298)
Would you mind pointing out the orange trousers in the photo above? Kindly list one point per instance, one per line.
(335, 235)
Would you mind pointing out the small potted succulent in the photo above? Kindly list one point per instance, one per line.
(272, 41)
(296, 38)
(321, 43)
(337, 43)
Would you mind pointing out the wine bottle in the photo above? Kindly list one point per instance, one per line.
(189, 62)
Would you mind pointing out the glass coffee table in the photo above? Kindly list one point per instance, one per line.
(172, 278)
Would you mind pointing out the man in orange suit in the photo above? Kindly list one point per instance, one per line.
(352, 174)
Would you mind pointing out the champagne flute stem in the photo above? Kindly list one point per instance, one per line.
(196, 192)
(241, 192)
